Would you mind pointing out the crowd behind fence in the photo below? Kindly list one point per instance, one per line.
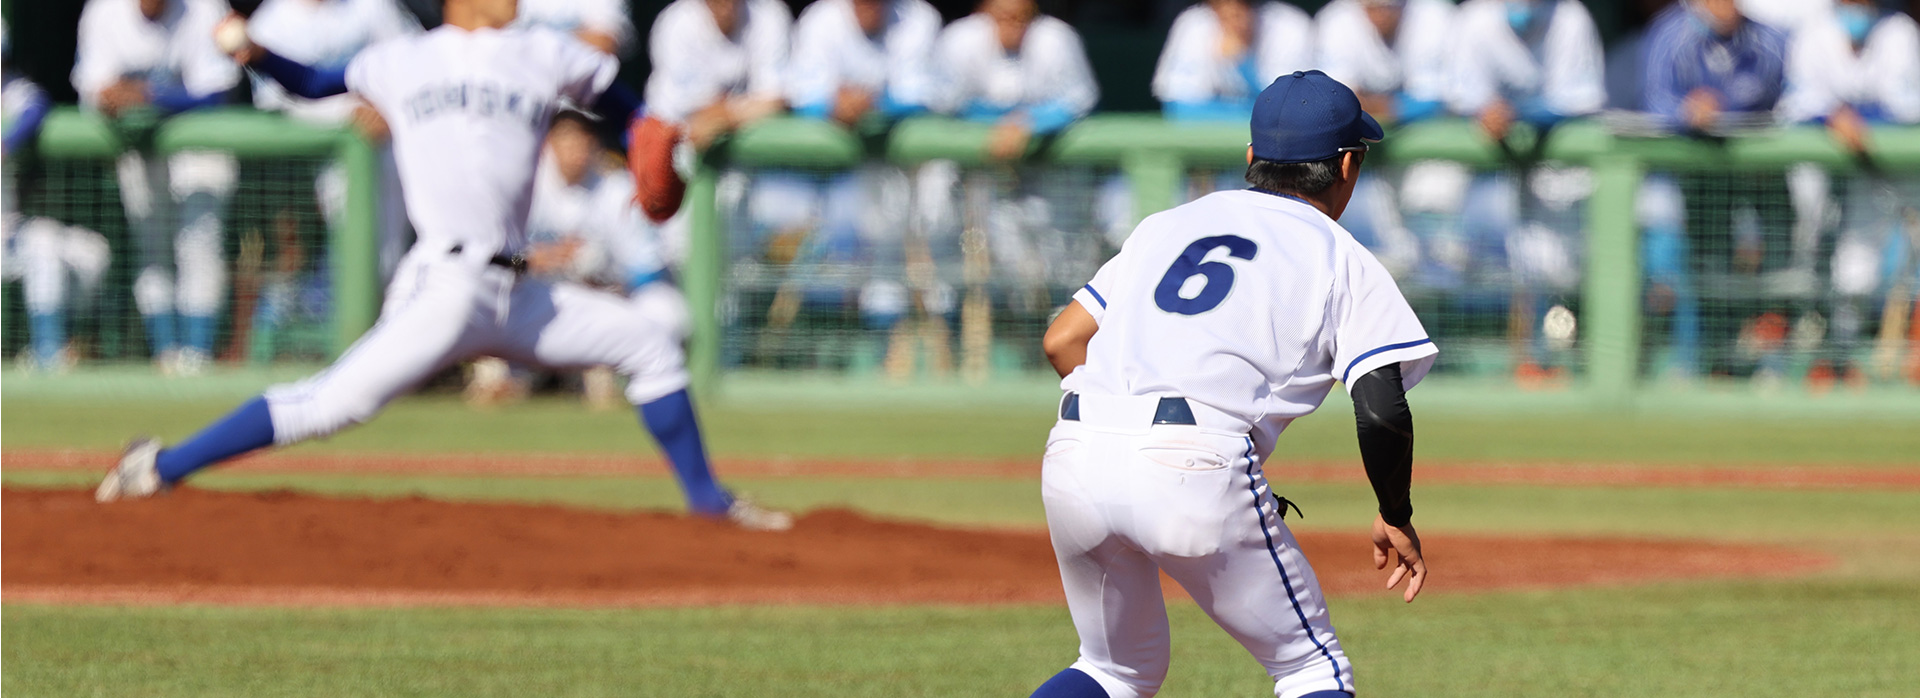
(1601, 261)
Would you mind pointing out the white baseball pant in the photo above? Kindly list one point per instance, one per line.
(445, 307)
(1126, 500)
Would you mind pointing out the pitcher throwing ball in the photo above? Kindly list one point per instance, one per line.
(469, 104)
(1218, 324)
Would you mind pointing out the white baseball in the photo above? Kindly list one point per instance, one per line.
(231, 35)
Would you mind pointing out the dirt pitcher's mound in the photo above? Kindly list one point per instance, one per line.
(287, 548)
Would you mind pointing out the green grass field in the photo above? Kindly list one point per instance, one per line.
(1849, 631)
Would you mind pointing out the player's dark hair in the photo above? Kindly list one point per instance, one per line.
(1303, 178)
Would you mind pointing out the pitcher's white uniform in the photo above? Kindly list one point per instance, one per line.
(1249, 306)
(469, 111)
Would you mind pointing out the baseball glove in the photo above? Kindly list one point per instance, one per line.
(657, 187)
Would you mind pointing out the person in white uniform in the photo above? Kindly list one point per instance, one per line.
(1537, 62)
(1184, 359)
(1857, 69)
(583, 227)
(138, 57)
(853, 58)
(1020, 70)
(43, 254)
(602, 24)
(718, 65)
(469, 104)
(327, 34)
(1393, 53)
(1220, 53)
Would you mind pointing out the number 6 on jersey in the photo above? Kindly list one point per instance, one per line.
(1219, 275)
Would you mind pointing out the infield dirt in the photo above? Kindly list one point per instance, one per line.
(285, 548)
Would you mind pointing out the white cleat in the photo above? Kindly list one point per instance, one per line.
(753, 517)
(135, 476)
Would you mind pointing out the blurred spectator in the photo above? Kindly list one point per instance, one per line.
(1859, 66)
(1852, 70)
(1712, 70)
(1786, 15)
(328, 34)
(40, 252)
(1708, 65)
(1537, 61)
(1221, 53)
(1393, 53)
(853, 58)
(1012, 66)
(137, 58)
(718, 65)
(602, 24)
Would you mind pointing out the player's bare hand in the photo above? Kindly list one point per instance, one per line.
(1405, 543)
(1009, 140)
(1497, 119)
(1701, 109)
(1848, 129)
(369, 124)
(230, 35)
(851, 105)
(123, 94)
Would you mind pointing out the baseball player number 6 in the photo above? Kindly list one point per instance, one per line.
(1188, 265)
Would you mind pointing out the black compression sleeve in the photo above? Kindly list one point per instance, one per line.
(1385, 426)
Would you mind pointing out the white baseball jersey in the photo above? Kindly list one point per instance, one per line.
(1249, 306)
(1786, 15)
(323, 34)
(469, 112)
(830, 51)
(174, 52)
(1191, 68)
(1250, 303)
(618, 245)
(1050, 68)
(604, 16)
(1562, 66)
(1414, 61)
(694, 65)
(1824, 71)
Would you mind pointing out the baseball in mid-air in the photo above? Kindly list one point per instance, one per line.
(231, 35)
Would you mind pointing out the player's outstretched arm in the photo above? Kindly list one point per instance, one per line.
(231, 37)
(1385, 427)
(1066, 339)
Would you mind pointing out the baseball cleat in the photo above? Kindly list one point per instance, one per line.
(753, 517)
(135, 476)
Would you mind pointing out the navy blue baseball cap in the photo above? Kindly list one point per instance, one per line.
(1309, 117)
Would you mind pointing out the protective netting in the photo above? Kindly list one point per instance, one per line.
(180, 259)
(1794, 275)
(926, 272)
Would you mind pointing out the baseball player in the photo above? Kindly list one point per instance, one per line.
(602, 24)
(1856, 69)
(42, 253)
(1009, 65)
(1539, 62)
(159, 54)
(469, 104)
(1219, 53)
(1393, 53)
(328, 33)
(718, 65)
(1219, 323)
(852, 58)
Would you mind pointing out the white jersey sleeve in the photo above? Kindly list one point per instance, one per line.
(96, 64)
(1188, 70)
(1574, 62)
(1565, 69)
(1893, 52)
(366, 76)
(582, 71)
(1370, 323)
(1093, 296)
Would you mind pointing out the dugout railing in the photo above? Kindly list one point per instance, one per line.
(1151, 156)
